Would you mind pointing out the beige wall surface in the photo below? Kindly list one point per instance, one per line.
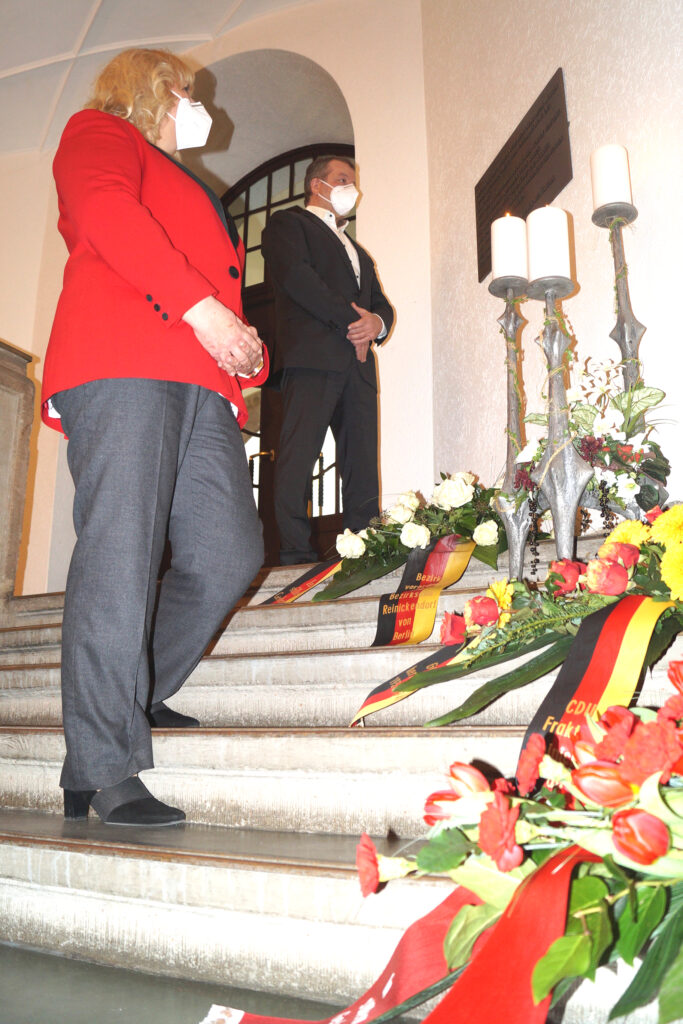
(485, 64)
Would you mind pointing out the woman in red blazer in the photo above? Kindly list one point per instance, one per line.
(144, 374)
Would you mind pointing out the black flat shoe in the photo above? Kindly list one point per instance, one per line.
(160, 716)
(127, 803)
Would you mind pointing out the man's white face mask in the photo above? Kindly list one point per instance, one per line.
(192, 123)
(342, 197)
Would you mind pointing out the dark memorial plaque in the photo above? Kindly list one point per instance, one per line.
(531, 169)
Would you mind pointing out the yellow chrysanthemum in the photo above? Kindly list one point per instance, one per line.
(672, 571)
(630, 531)
(667, 529)
(501, 591)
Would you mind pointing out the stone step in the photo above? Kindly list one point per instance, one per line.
(277, 913)
(342, 781)
(316, 688)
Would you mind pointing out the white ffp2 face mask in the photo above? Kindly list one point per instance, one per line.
(342, 197)
(192, 123)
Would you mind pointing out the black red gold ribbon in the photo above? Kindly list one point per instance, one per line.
(407, 616)
(384, 695)
(602, 668)
(311, 578)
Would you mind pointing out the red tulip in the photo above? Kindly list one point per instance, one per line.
(606, 577)
(567, 576)
(437, 805)
(481, 611)
(601, 783)
(453, 629)
(465, 779)
(640, 836)
(366, 865)
(627, 554)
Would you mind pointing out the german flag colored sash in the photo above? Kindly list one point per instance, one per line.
(602, 668)
(384, 695)
(407, 616)
(495, 985)
(311, 578)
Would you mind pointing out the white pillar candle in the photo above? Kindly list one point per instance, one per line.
(610, 176)
(508, 247)
(547, 239)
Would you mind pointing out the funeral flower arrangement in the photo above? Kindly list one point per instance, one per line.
(618, 796)
(458, 505)
(511, 619)
(609, 430)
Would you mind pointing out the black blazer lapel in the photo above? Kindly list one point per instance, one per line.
(336, 241)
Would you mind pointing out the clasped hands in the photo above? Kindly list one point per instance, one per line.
(235, 346)
(362, 331)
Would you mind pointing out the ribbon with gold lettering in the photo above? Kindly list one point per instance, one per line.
(407, 616)
(384, 695)
(311, 578)
(602, 668)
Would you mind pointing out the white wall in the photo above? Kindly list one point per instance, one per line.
(485, 64)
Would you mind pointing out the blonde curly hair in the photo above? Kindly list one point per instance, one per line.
(137, 86)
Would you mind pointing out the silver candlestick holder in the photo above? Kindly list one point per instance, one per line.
(627, 331)
(562, 475)
(514, 513)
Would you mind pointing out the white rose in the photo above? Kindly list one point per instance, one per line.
(350, 545)
(452, 493)
(467, 478)
(486, 533)
(410, 500)
(399, 514)
(415, 536)
(366, 532)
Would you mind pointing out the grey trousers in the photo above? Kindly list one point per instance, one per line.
(149, 459)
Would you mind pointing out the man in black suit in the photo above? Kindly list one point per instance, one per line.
(329, 311)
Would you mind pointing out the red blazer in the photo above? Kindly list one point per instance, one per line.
(145, 244)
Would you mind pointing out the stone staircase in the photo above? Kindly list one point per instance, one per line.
(259, 889)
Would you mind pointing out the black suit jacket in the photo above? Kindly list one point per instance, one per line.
(314, 286)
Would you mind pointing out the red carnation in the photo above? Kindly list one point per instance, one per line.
(606, 577)
(497, 833)
(652, 747)
(529, 761)
(619, 723)
(563, 576)
(501, 785)
(675, 674)
(653, 514)
(672, 712)
(453, 629)
(640, 836)
(366, 865)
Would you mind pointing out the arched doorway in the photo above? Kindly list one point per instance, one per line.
(273, 111)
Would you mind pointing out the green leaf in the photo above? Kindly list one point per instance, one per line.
(494, 887)
(339, 587)
(634, 402)
(583, 416)
(540, 418)
(568, 957)
(444, 852)
(647, 497)
(488, 554)
(654, 968)
(464, 931)
(635, 927)
(521, 676)
(671, 992)
(587, 894)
